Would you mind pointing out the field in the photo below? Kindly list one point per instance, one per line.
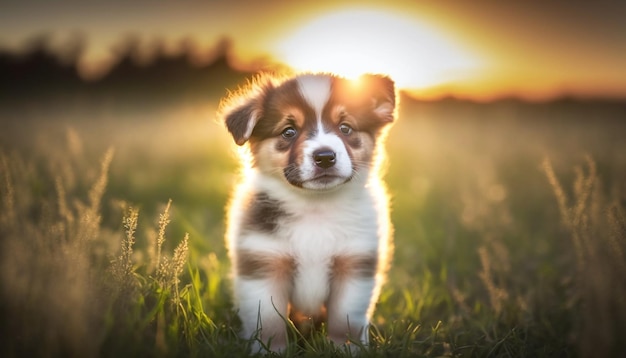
(510, 231)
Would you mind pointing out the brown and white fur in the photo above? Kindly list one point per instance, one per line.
(308, 233)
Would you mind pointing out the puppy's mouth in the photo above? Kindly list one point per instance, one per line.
(325, 178)
(320, 181)
(324, 181)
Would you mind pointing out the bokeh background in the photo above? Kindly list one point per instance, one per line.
(507, 165)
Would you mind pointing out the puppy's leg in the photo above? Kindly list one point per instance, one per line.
(352, 289)
(262, 287)
(263, 307)
(348, 309)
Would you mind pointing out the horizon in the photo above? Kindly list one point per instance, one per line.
(532, 52)
(133, 61)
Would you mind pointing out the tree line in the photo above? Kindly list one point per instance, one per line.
(40, 72)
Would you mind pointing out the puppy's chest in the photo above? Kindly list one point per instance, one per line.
(320, 232)
(316, 229)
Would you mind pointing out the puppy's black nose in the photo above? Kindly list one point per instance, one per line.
(324, 158)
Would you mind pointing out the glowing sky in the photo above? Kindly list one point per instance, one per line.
(478, 49)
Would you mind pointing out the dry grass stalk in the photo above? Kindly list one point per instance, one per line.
(178, 263)
(561, 198)
(66, 215)
(497, 295)
(168, 270)
(89, 215)
(130, 227)
(617, 237)
(8, 201)
(122, 268)
(565, 211)
(171, 269)
(164, 219)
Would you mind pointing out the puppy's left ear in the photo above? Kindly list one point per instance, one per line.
(381, 90)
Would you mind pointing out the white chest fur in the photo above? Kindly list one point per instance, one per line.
(319, 234)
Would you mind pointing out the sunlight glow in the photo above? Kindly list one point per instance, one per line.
(353, 42)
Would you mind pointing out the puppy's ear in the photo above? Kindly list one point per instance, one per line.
(241, 121)
(243, 110)
(382, 93)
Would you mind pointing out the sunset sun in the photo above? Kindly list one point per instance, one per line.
(353, 42)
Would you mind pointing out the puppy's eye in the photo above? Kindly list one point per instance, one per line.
(289, 133)
(345, 129)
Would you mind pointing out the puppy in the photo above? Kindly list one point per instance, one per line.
(308, 234)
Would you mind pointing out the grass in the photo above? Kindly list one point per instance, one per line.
(510, 236)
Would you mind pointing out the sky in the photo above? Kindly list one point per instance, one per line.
(470, 49)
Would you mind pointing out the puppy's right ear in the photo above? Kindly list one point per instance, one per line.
(241, 121)
(243, 110)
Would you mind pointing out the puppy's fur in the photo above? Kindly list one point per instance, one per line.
(309, 236)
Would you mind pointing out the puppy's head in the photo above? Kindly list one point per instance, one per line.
(315, 131)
